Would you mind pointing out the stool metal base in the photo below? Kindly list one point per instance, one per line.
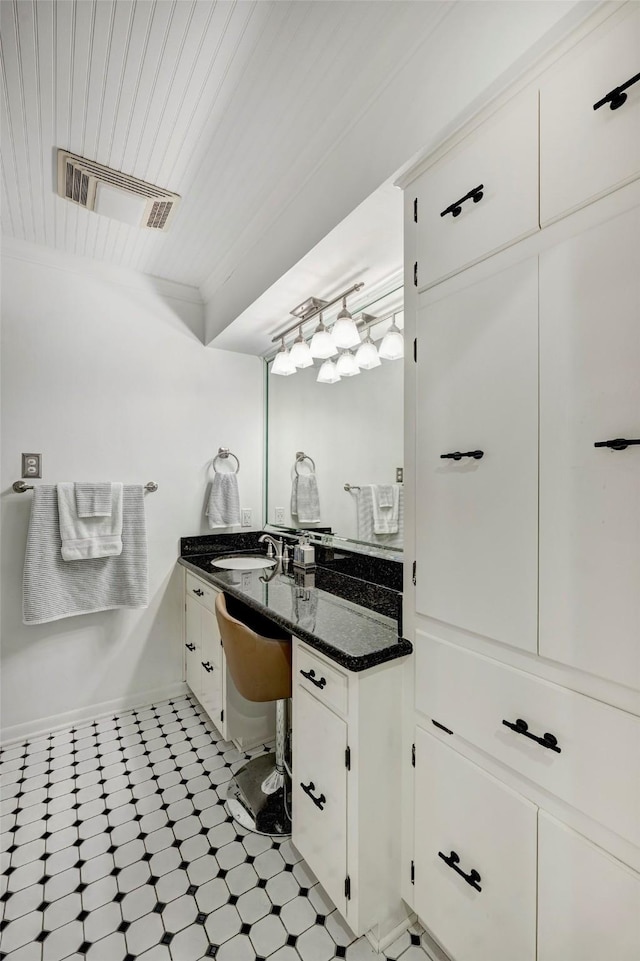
(256, 798)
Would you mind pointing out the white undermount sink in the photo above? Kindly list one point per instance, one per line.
(253, 562)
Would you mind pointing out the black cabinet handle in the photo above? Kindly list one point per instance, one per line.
(521, 727)
(473, 878)
(311, 676)
(196, 590)
(619, 443)
(616, 97)
(476, 454)
(207, 666)
(190, 647)
(455, 209)
(309, 789)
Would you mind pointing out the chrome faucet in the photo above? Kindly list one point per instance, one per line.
(272, 545)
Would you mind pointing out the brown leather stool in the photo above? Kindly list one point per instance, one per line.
(261, 671)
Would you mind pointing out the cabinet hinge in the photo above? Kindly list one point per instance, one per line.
(415, 350)
(347, 759)
(413, 575)
(347, 888)
(413, 755)
(221, 716)
(413, 873)
(415, 210)
(415, 274)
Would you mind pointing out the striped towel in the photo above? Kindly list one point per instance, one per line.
(53, 588)
(93, 500)
(366, 531)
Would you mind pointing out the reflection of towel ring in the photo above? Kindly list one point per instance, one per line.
(224, 452)
(300, 456)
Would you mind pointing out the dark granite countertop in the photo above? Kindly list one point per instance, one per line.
(347, 633)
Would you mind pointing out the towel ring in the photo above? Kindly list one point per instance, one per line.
(224, 452)
(300, 456)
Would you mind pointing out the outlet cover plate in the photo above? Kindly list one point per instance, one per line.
(32, 465)
(245, 516)
(278, 515)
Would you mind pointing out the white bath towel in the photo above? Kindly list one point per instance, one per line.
(223, 506)
(305, 499)
(86, 537)
(93, 500)
(53, 588)
(385, 514)
(366, 522)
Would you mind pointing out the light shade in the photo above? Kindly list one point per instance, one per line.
(328, 373)
(300, 353)
(344, 331)
(367, 354)
(322, 345)
(392, 346)
(282, 363)
(346, 364)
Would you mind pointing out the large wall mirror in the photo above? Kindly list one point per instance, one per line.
(351, 431)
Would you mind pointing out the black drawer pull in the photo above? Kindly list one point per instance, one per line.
(207, 666)
(476, 454)
(616, 97)
(190, 647)
(309, 789)
(521, 727)
(456, 209)
(196, 590)
(453, 860)
(619, 443)
(311, 676)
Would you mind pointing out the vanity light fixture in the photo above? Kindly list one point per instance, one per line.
(346, 364)
(282, 363)
(328, 373)
(367, 354)
(392, 346)
(344, 331)
(300, 354)
(322, 345)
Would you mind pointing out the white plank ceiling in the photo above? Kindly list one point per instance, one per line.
(230, 104)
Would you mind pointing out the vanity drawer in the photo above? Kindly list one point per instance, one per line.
(502, 156)
(585, 153)
(597, 767)
(464, 813)
(323, 681)
(203, 592)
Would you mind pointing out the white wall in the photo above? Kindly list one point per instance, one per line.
(105, 373)
(353, 430)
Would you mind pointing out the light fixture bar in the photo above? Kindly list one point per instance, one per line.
(327, 304)
(368, 320)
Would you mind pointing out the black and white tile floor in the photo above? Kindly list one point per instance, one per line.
(116, 845)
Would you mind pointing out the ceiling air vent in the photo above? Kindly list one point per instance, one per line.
(114, 194)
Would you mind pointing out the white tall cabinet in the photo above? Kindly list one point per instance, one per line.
(523, 799)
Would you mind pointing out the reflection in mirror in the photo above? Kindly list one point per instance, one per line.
(352, 432)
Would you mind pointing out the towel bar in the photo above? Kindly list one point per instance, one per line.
(21, 488)
(351, 487)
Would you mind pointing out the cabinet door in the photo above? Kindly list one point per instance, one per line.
(502, 157)
(477, 520)
(588, 903)
(193, 641)
(584, 153)
(211, 695)
(590, 497)
(460, 811)
(319, 772)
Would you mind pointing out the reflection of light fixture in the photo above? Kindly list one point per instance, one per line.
(328, 373)
(322, 345)
(367, 354)
(282, 362)
(346, 364)
(392, 346)
(300, 353)
(344, 331)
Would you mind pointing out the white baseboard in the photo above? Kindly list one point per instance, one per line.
(45, 725)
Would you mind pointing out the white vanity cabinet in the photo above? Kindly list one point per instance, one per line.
(346, 764)
(246, 723)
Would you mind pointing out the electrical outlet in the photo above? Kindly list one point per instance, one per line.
(399, 475)
(32, 465)
(246, 517)
(278, 515)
